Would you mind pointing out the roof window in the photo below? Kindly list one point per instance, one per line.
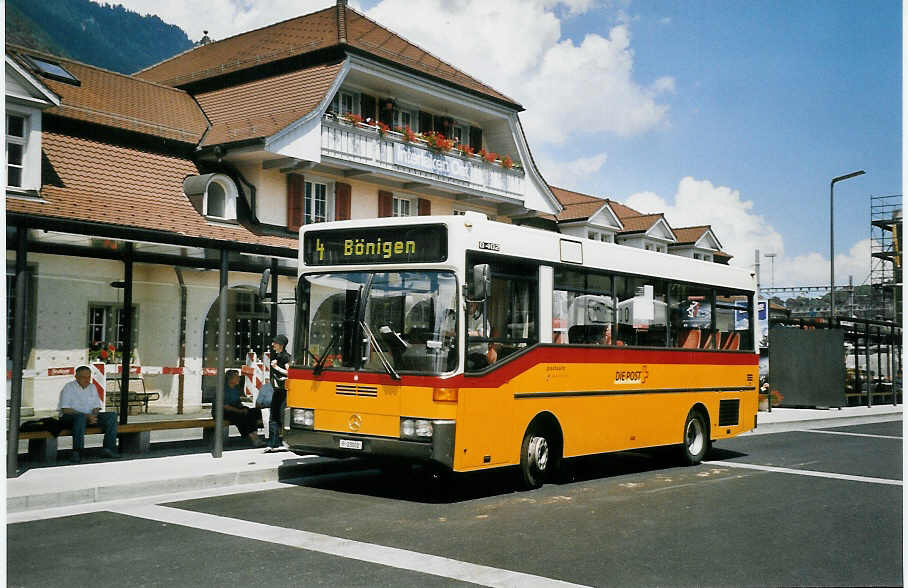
(52, 70)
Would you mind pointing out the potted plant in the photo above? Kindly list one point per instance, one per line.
(437, 142)
(507, 162)
(489, 156)
(408, 135)
(465, 150)
(353, 119)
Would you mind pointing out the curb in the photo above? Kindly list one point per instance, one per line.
(822, 423)
(313, 466)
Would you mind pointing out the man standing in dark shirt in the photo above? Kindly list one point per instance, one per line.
(280, 360)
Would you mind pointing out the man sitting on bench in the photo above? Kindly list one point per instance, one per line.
(236, 413)
(80, 406)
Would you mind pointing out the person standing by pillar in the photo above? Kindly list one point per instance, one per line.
(280, 360)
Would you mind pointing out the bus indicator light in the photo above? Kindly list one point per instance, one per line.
(444, 394)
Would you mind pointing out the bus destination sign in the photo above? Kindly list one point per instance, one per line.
(414, 244)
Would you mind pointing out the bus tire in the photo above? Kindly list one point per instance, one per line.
(538, 457)
(696, 438)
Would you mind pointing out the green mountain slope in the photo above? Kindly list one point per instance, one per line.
(109, 36)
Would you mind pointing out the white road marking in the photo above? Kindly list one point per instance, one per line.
(845, 433)
(25, 516)
(369, 552)
(834, 476)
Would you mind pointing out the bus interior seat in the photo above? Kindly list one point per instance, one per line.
(586, 334)
(708, 343)
(733, 342)
(690, 339)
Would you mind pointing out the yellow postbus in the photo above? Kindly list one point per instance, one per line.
(471, 344)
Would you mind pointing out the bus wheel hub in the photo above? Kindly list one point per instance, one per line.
(538, 451)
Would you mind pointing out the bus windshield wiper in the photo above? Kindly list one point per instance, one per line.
(320, 361)
(381, 352)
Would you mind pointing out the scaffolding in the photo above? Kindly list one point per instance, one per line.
(886, 257)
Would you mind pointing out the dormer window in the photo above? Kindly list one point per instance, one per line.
(220, 198)
(214, 195)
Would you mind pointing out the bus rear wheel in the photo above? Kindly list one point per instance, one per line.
(537, 458)
(696, 438)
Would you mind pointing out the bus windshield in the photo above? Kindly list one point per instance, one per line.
(397, 321)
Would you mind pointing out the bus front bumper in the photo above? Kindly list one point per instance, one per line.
(334, 444)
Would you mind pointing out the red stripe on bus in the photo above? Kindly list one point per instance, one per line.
(542, 354)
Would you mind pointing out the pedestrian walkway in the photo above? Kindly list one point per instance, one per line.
(183, 466)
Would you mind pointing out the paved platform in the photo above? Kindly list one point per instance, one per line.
(181, 467)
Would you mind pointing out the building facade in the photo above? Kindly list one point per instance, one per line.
(132, 199)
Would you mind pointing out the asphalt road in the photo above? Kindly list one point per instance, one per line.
(795, 508)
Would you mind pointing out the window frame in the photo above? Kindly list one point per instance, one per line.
(23, 144)
(112, 324)
(412, 205)
(309, 192)
(230, 196)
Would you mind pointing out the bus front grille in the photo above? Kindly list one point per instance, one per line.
(357, 390)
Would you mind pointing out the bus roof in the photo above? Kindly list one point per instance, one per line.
(475, 232)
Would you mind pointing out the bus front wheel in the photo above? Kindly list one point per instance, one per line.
(536, 458)
(696, 438)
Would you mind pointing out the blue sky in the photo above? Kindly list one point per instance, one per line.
(734, 113)
(772, 98)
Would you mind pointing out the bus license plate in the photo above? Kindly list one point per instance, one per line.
(350, 444)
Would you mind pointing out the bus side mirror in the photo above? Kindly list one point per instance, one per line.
(481, 285)
(263, 284)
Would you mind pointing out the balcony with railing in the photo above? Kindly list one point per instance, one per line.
(412, 159)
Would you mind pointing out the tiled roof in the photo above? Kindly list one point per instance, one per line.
(622, 210)
(86, 180)
(640, 223)
(567, 197)
(332, 27)
(119, 101)
(579, 211)
(690, 235)
(264, 107)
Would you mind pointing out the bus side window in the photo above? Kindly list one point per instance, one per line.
(734, 318)
(642, 311)
(583, 308)
(506, 321)
(691, 317)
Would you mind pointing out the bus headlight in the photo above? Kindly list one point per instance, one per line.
(420, 429)
(303, 418)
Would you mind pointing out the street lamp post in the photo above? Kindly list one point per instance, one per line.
(832, 244)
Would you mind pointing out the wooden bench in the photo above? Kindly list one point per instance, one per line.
(134, 437)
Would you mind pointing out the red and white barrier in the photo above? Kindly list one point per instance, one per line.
(134, 370)
(99, 380)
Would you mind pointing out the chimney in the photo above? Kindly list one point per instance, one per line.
(342, 22)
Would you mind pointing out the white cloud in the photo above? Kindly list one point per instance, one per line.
(812, 269)
(514, 46)
(741, 230)
(570, 174)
